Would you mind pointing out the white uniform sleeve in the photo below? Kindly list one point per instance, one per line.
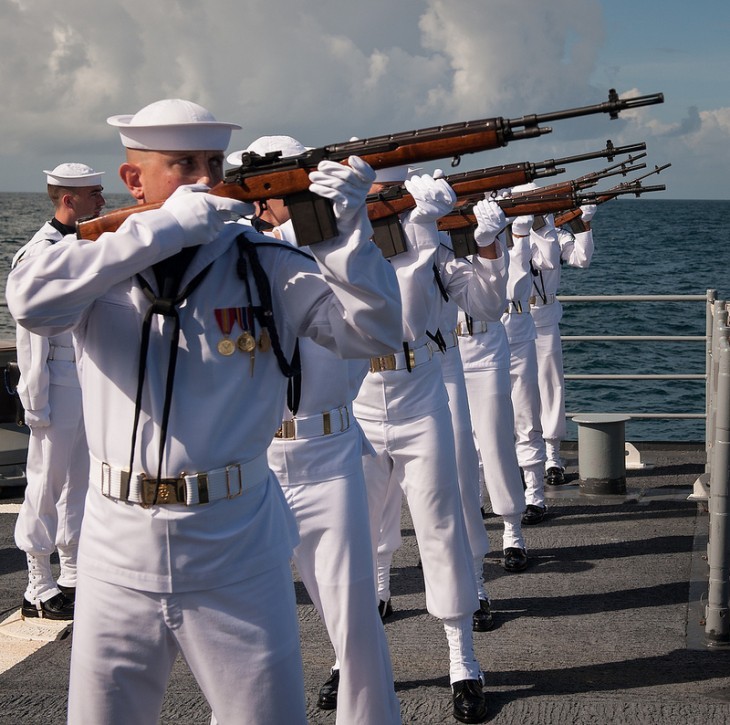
(577, 251)
(52, 292)
(545, 248)
(478, 286)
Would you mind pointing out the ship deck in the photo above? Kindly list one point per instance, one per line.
(605, 626)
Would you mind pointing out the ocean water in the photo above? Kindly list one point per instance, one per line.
(647, 246)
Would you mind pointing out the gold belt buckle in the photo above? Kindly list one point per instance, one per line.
(382, 363)
(287, 430)
(167, 491)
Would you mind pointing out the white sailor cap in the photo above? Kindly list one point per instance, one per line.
(532, 186)
(393, 174)
(73, 174)
(173, 125)
(263, 145)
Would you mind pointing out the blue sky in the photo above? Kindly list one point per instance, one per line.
(326, 70)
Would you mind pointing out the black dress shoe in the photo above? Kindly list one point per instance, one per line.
(533, 514)
(483, 619)
(515, 559)
(555, 476)
(57, 607)
(385, 609)
(470, 705)
(327, 699)
(68, 592)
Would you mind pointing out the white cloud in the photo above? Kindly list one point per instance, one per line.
(321, 70)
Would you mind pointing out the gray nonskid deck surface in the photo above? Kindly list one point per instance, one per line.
(601, 628)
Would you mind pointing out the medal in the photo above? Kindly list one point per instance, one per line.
(246, 342)
(226, 346)
(225, 317)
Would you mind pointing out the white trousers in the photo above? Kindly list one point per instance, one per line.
(57, 472)
(241, 643)
(467, 462)
(552, 390)
(529, 442)
(334, 560)
(493, 422)
(418, 454)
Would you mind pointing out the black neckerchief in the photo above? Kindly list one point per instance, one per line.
(64, 229)
(169, 273)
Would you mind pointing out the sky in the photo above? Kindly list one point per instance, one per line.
(326, 70)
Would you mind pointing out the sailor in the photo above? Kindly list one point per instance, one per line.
(576, 250)
(533, 246)
(485, 354)
(491, 222)
(403, 409)
(317, 457)
(57, 466)
(186, 538)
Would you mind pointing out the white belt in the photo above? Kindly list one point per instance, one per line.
(397, 360)
(451, 338)
(477, 326)
(65, 354)
(187, 489)
(514, 307)
(536, 301)
(312, 426)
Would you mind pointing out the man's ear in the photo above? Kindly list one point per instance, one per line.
(131, 175)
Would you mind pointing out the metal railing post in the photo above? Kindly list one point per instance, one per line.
(717, 621)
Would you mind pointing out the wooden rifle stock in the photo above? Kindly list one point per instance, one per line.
(471, 185)
(542, 204)
(272, 176)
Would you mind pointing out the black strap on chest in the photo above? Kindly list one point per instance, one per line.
(537, 274)
(248, 257)
(294, 389)
(166, 306)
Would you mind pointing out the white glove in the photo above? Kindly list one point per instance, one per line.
(345, 186)
(434, 198)
(203, 215)
(38, 418)
(490, 222)
(587, 211)
(522, 224)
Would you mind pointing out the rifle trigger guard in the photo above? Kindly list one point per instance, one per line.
(455, 161)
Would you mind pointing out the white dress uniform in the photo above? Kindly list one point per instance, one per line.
(538, 250)
(57, 467)
(317, 458)
(211, 580)
(467, 457)
(403, 409)
(546, 310)
(485, 354)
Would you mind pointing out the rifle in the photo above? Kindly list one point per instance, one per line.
(587, 180)
(272, 176)
(571, 217)
(396, 200)
(461, 222)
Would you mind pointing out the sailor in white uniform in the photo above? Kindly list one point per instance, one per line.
(491, 221)
(186, 538)
(531, 249)
(57, 466)
(576, 250)
(403, 409)
(485, 354)
(317, 457)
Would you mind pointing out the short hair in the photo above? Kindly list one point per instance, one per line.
(56, 193)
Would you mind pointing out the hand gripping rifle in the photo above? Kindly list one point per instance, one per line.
(573, 219)
(462, 222)
(275, 177)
